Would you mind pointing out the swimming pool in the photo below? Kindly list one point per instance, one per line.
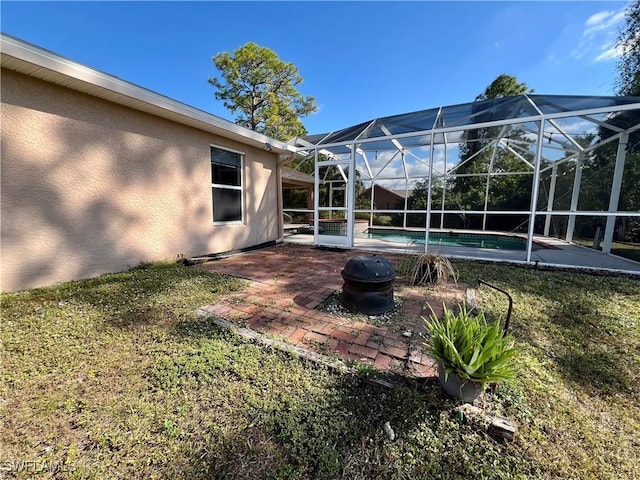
(449, 239)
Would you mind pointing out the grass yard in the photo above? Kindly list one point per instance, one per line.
(116, 377)
(625, 250)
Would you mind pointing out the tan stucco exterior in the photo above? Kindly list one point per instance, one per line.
(89, 187)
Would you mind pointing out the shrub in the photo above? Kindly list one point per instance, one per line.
(427, 268)
(467, 345)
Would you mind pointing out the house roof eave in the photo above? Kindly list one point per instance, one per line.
(37, 62)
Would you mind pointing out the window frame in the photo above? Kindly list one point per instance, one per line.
(222, 186)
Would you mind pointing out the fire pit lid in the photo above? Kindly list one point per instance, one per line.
(369, 269)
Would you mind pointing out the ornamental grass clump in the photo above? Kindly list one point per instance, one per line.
(467, 345)
(427, 269)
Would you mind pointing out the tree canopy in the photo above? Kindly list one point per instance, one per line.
(261, 91)
(503, 86)
(629, 45)
(478, 157)
(627, 83)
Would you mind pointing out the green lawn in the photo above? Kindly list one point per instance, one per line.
(116, 377)
(626, 250)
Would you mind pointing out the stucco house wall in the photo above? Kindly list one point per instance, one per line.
(89, 186)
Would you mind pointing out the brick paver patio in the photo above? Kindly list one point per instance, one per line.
(289, 282)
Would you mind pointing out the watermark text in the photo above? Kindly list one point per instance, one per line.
(36, 466)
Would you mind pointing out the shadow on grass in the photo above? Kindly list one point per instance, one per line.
(294, 419)
(594, 339)
(158, 294)
(584, 323)
(632, 252)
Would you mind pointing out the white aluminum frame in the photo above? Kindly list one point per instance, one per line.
(543, 126)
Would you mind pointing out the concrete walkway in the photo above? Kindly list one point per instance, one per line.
(289, 282)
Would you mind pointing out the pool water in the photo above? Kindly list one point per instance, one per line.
(449, 239)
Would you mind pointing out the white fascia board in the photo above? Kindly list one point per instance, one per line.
(45, 59)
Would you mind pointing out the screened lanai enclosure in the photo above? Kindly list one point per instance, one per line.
(538, 168)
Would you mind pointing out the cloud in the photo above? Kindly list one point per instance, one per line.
(599, 37)
(603, 21)
(390, 172)
(609, 54)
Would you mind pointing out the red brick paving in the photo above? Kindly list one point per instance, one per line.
(289, 281)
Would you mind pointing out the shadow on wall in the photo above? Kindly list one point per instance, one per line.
(89, 187)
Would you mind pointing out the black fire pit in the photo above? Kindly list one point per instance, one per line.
(368, 284)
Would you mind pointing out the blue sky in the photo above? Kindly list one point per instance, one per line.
(360, 60)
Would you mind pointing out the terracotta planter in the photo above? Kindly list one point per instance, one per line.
(458, 388)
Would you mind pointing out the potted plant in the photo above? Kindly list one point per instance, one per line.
(427, 268)
(471, 352)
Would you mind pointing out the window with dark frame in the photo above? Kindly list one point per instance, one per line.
(226, 185)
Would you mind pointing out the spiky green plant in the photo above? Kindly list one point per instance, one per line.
(473, 348)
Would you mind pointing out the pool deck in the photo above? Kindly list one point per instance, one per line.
(557, 254)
